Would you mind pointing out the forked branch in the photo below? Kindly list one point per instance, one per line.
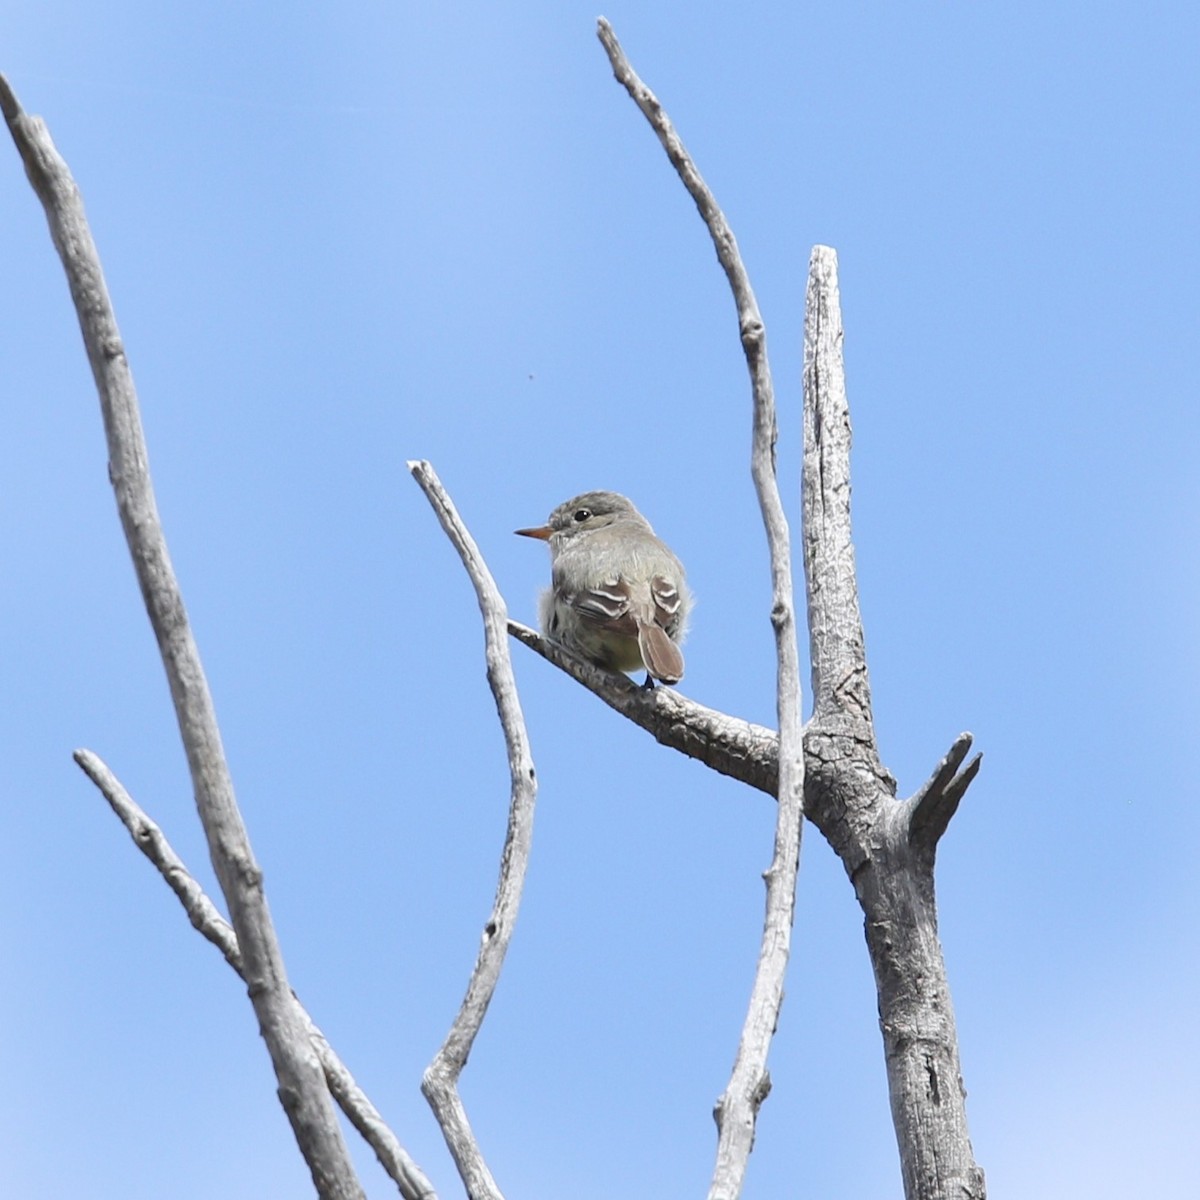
(887, 848)
(203, 914)
(930, 810)
(302, 1089)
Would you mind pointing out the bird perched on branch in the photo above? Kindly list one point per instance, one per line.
(617, 596)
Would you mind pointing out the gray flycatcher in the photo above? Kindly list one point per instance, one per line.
(617, 595)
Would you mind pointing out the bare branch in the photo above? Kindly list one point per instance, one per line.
(839, 664)
(930, 810)
(302, 1089)
(152, 842)
(729, 745)
(722, 235)
(440, 1083)
(887, 848)
(737, 1110)
(203, 914)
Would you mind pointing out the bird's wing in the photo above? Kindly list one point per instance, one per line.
(667, 601)
(608, 604)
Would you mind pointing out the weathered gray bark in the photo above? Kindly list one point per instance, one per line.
(302, 1089)
(353, 1101)
(440, 1082)
(887, 847)
(736, 1111)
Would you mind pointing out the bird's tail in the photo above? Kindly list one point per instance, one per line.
(662, 658)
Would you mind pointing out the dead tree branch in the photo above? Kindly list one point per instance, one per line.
(440, 1083)
(302, 1089)
(736, 1111)
(729, 745)
(887, 848)
(202, 912)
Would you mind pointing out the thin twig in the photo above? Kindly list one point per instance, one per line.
(737, 1109)
(152, 842)
(302, 1089)
(440, 1083)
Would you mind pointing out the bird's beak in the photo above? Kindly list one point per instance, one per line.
(542, 532)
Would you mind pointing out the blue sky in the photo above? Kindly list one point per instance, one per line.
(341, 238)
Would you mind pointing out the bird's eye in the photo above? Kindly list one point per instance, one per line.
(582, 514)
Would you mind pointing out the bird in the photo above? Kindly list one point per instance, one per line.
(618, 596)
